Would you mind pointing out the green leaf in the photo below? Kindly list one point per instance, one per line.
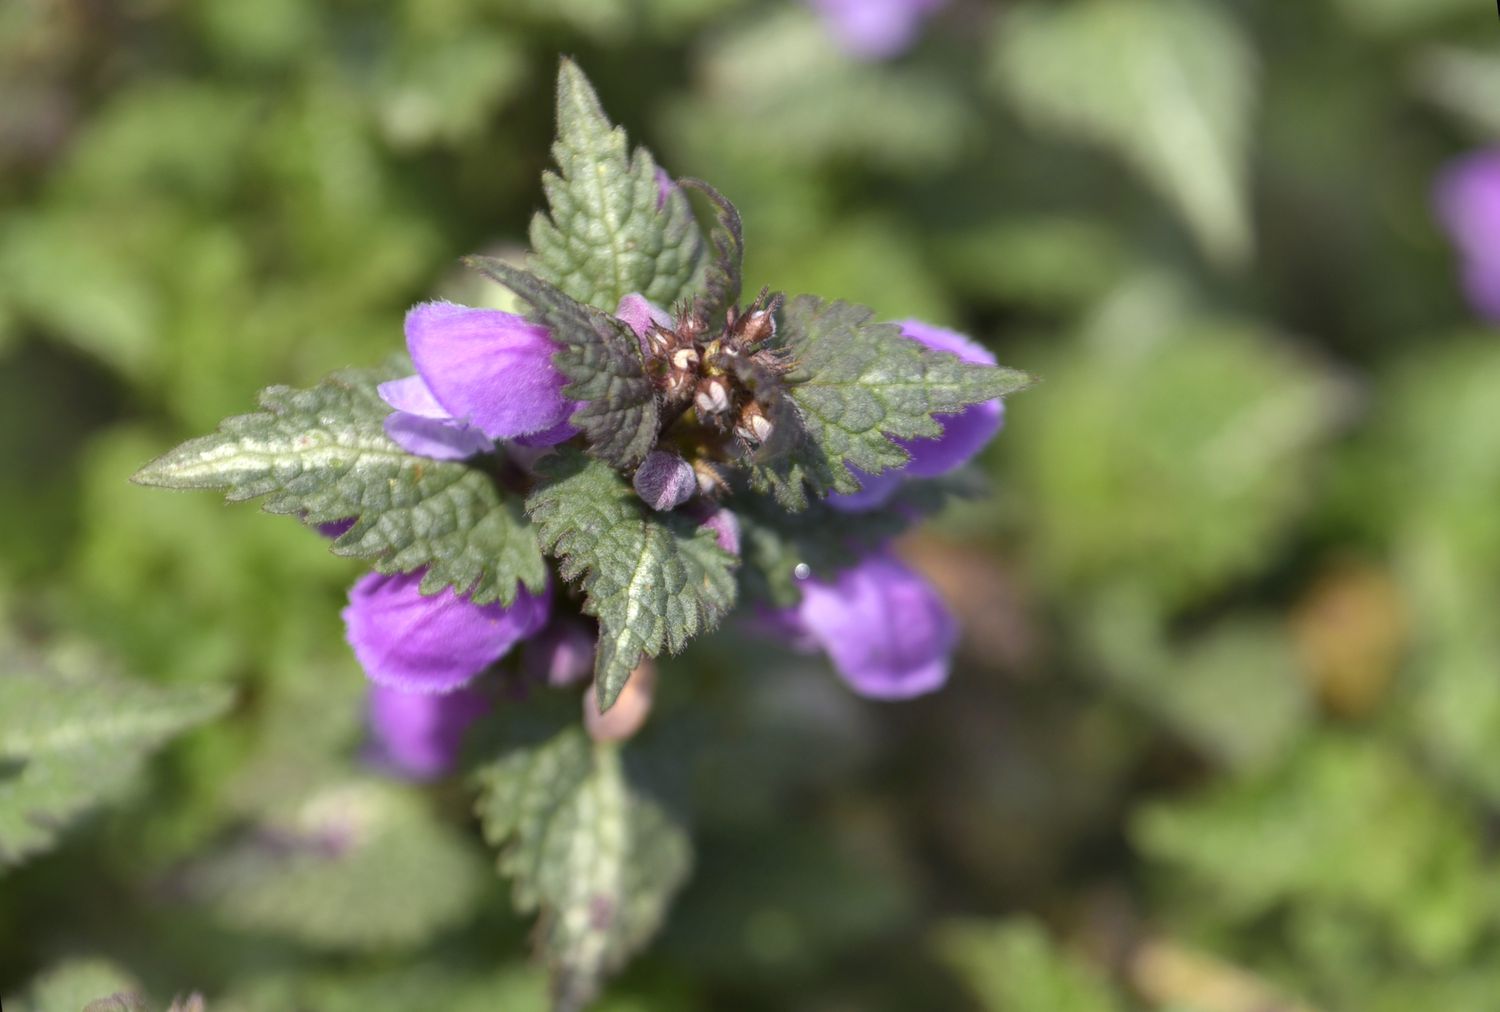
(723, 278)
(609, 233)
(1173, 452)
(322, 455)
(1169, 84)
(73, 739)
(1346, 825)
(597, 857)
(1013, 966)
(354, 865)
(602, 358)
(654, 580)
(855, 385)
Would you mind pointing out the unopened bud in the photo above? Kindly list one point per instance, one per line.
(712, 397)
(758, 326)
(665, 481)
(658, 342)
(630, 711)
(710, 481)
(754, 427)
(685, 359)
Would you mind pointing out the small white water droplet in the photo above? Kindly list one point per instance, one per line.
(802, 571)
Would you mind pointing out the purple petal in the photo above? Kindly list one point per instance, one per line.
(489, 368)
(886, 629)
(561, 655)
(432, 643)
(964, 435)
(874, 490)
(419, 734)
(1468, 205)
(640, 312)
(874, 29)
(412, 396)
(559, 433)
(440, 439)
(726, 528)
(421, 426)
(665, 481)
(336, 529)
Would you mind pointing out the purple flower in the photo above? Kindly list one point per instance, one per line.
(875, 29)
(561, 655)
(964, 433)
(433, 643)
(725, 525)
(1468, 204)
(418, 734)
(888, 633)
(482, 375)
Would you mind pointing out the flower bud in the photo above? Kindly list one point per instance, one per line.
(712, 397)
(757, 327)
(665, 481)
(753, 426)
(630, 711)
(710, 480)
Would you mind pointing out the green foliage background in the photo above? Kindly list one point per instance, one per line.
(1224, 733)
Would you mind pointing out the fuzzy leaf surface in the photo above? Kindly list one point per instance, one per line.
(322, 454)
(70, 740)
(855, 384)
(653, 580)
(601, 357)
(609, 230)
(596, 856)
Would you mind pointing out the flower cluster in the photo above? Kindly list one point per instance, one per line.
(485, 383)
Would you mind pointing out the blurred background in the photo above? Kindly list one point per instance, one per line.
(1224, 734)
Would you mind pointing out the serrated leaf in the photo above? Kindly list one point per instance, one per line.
(857, 383)
(1345, 823)
(722, 279)
(654, 580)
(70, 740)
(597, 857)
(602, 358)
(1169, 84)
(610, 230)
(322, 454)
(355, 865)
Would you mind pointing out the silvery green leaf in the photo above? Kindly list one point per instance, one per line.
(653, 580)
(601, 356)
(73, 739)
(609, 230)
(856, 384)
(322, 455)
(586, 848)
